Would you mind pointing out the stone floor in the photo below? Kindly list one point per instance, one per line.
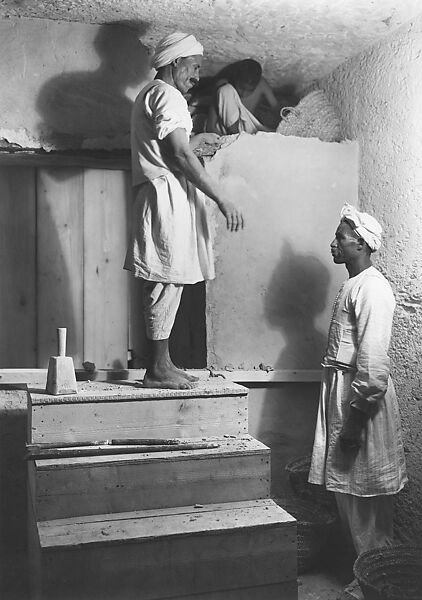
(332, 573)
(319, 586)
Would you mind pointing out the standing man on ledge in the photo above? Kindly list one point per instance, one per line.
(358, 451)
(170, 244)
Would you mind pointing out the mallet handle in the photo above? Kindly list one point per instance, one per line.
(61, 341)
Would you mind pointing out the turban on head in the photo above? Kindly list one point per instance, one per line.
(365, 226)
(175, 45)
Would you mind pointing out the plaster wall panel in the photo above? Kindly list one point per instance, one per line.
(68, 85)
(271, 301)
(379, 94)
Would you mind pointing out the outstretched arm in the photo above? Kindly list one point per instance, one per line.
(192, 169)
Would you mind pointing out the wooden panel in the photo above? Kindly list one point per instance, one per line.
(34, 551)
(106, 284)
(236, 470)
(60, 261)
(92, 159)
(126, 410)
(168, 553)
(17, 267)
(180, 418)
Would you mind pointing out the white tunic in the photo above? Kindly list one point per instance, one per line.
(357, 372)
(171, 239)
(230, 110)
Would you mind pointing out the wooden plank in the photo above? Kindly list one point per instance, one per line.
(34, 550)
(116, 391)
(144, 525)
(169, 553)
(17, 267)
(60, 261)
(239, 469)
(106, 284)
(179, 417)
(138, 341)
(119, 160)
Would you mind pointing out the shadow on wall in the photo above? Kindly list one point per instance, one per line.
(58, 242)
(77, 106)
(297, 294)
(283, 416)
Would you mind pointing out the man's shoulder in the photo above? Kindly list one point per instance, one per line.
(159, 90)
(372, 280)
(226, 89)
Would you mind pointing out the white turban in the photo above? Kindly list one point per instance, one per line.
(175, 45)
(365, 226)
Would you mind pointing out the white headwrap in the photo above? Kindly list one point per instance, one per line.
(175, 45)
(365, 226)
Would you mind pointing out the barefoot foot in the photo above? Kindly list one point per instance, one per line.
(167, 379)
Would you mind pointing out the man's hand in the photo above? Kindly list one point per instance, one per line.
(204, 139)
(234, 217)
(350, 434)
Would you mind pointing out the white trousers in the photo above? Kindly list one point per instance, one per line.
(367, 520)
(161, 302)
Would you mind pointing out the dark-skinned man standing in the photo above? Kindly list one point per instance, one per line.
(358, 452)
(171, 243)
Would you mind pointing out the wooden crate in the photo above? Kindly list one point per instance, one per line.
(168, 553)
(127, 410)
(239, 469)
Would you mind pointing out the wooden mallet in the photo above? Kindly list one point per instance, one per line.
(61, 378)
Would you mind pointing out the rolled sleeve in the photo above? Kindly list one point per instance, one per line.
(168, 111)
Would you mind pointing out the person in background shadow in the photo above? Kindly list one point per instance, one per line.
(358, 451)
(170, 244)
(238, 90)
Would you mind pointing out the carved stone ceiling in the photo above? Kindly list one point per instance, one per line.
(295, 40)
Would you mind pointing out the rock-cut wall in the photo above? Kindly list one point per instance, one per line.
(379, 94)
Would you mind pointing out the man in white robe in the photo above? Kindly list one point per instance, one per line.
(228, 113)
(170, 244)
(358, 451)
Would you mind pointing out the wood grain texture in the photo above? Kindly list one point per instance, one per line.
(17, 267)
(60, 261)
(168, 553)
(175, 417)
(236, 470)
(106, 284)
(116, 391)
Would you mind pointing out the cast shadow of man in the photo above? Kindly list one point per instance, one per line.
(78, 106)
(297, 294)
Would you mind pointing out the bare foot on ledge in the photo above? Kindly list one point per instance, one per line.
(171, 379)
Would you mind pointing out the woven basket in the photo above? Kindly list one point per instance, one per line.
(313, 528)
(298, 470)
(390, 573)
(313, 116)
